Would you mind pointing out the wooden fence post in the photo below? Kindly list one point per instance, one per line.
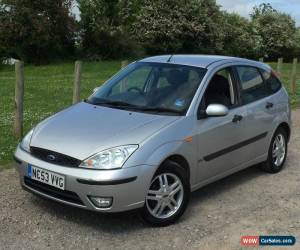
(19, 99)
(124, 64)
(279, 67)
(294, 76)
(261, 59)
(77, 78)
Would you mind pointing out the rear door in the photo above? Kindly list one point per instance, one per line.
(255, 97)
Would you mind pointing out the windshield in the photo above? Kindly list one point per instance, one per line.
(151, 87)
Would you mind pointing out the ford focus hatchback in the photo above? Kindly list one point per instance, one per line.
(162, 127)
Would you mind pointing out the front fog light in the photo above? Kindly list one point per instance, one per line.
(101, 202)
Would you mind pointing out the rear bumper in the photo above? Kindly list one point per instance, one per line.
(127, 186)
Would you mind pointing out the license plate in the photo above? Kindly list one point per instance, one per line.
(46, 177)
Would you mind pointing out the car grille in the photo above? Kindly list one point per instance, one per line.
(52, 191)
(54, 157)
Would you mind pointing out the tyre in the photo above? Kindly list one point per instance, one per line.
(277, 152)
(168, 195)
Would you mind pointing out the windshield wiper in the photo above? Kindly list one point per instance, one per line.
(115, 104)
(121, 104)
(161, 109)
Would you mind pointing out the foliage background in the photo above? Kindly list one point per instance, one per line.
(45, 32)
(36, 31)
(42, 31)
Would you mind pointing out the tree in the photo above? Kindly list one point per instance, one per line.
(297, 42)
(105, 25)
(262, 9)
(276, 32)
(182, 26)
(239, 39)
(36, 31)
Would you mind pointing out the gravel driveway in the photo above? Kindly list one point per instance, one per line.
(247, 203)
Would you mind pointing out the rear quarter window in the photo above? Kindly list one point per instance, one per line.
(272, 81)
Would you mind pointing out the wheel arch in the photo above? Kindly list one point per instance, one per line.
(286, 127)
(180, 160)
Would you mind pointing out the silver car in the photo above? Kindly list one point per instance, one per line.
(159, 129)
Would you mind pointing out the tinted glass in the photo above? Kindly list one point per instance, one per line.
(272, 81)
(220, 90)
(148, 86)
(136, 79)
(252, 84)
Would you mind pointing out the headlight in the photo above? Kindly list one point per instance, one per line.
(110, 158)
(25, 144)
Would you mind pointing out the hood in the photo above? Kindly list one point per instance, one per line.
(84, 129)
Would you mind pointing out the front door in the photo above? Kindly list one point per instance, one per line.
(220, 139)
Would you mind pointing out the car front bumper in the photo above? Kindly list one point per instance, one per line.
(127, 186)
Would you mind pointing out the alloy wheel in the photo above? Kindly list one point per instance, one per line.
(165, 196)
(279, 150)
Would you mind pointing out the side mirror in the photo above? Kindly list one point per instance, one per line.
(216, 110)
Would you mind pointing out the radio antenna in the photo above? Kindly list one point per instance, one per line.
(169, 60)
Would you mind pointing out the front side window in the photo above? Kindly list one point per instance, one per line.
(252, 84)
(220, 90)
(151, 87)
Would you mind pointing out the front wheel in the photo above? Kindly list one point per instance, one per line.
(277, 152)
(167, 196)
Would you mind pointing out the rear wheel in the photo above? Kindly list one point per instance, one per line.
(277, 152)
(167, 196)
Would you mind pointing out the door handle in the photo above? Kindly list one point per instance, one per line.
(237, 118)
(269, 105)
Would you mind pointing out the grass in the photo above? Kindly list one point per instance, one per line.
(286, 79)
(48, 89)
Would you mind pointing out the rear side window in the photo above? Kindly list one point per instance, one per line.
(272, 81)
(252, 84)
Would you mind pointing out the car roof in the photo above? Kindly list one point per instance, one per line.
(203, 61)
